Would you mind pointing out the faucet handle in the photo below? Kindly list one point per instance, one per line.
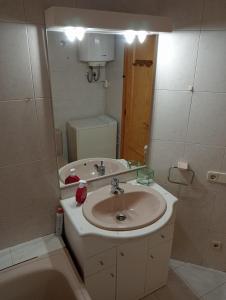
(115, 181)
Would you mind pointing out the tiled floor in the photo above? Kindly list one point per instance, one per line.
(191, 282)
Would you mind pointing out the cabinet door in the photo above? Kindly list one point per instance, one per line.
(101, 286)
(131, 264)
(157, 267)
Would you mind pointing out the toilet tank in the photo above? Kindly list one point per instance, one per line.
(97, 49)
(91, 137)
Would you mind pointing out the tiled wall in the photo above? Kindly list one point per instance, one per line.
(28, 176)
(186, 125)
(192, 125)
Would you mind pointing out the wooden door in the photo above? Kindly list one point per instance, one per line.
(139, 71)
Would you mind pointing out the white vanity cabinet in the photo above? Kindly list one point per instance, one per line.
(130, 270)
(131, 266)
(157, 266)
(121, 265)
(102, 285)
(159, 250)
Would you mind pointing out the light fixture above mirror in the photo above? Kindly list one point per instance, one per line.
(75, 22)
(73, 33)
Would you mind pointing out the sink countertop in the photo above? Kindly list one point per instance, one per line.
(84, 228)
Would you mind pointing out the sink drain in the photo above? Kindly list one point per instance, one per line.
(120, 217)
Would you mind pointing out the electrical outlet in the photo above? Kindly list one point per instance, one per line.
(217, 177)
(216, 245)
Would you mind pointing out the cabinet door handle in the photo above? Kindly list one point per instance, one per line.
(101, 262)
(151, 256)
(162, 236)
(122, 254)
(112, 275)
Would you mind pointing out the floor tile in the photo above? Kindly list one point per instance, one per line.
(218, 294)
(5, 258)
(176, 263)
(201, 280)
(175, 289)
(52, 243)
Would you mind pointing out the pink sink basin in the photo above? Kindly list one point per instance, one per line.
(137, 207)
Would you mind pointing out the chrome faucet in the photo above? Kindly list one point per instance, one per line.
(100, 168)
(115, 188)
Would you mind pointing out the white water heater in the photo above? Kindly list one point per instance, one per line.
(97, 49)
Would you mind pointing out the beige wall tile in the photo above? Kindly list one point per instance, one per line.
(15, 72)
(211, 76)
(29, 196)
(195, 207)
(189, 243)
(170, 115)
(12, 10)
(39, 67)
(34, 10)
(215, 258)
(176, 60)
(218, 218)
(19, 132)
(164, 154)
(207, 119)
(202, 159)
(45, 127)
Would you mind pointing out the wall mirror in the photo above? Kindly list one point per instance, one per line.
(102, 90)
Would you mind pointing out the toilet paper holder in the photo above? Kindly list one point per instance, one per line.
(178, 182)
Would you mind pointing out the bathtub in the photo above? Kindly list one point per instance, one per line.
(48, 277)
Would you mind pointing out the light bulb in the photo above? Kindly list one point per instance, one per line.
(142, 36)
(70, 33)
(129, 36)
(80, 33)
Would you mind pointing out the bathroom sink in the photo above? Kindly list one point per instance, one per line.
(137, 207)
(85, 168)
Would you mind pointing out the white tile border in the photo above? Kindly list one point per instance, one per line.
(28, 250)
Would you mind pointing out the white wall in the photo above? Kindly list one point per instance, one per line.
(73, 96)
(192, 125)
(114, 93)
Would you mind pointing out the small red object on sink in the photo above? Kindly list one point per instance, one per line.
(81, 192)
(72, 177)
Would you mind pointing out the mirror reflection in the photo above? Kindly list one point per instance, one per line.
(102, 99)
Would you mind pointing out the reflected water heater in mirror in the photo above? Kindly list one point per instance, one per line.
(97, 49)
